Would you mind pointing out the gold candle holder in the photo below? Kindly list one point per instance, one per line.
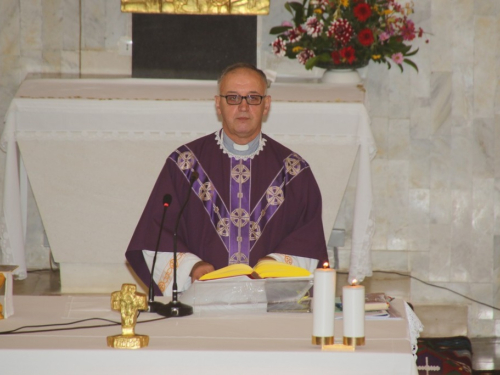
(323, 340)
(354, 341)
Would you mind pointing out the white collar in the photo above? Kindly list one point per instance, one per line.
(219, 137)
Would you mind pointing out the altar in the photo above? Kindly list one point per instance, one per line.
(92, 150)
(212, 344)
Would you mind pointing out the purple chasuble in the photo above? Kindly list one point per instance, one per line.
(240, 210)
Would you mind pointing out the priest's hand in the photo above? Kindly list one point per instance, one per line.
(199, 269)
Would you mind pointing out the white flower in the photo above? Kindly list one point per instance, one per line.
(279, 47)
(305, 55)
(314, 26)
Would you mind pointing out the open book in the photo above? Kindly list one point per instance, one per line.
(262, 270)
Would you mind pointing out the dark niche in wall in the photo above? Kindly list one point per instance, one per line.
(190, 46)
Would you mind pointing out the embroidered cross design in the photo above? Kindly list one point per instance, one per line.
(292, 165)
(205, 192)
(255, 231)
(223, 227)
(240, 217)
(185, 160)
(240, 174)
(274, 195)
(238, 257)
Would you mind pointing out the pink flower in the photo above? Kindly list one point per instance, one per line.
(287, 23)
(383, 36)
(279, 47)
(397, 58)
(314, 26)
(408, 30)
(304, 56)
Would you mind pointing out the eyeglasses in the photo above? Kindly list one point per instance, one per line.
(235, 99)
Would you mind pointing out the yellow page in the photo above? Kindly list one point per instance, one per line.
(271, 268)
(229, 271)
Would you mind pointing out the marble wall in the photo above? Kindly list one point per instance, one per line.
(437, 171)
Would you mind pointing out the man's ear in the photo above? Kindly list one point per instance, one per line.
(217, 104)
(267, 104)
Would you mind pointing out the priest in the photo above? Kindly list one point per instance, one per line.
(253, 198)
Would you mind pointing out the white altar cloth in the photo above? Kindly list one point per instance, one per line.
(118, 133)
(226, 343)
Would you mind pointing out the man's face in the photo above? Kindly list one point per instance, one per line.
(242, 122)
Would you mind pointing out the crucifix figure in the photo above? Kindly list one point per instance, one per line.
(128, 301)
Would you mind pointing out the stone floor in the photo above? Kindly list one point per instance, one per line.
(486, 351)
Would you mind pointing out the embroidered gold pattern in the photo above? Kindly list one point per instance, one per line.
(254, 231)
(240, 217)
(167, 273)
(223, 227)
(185, 160)
(238, 258)
(240, 174)
(292, 164)
(275, 196)
(205, 192)
(288, 259)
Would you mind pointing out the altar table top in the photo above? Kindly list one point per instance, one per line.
(221, 343)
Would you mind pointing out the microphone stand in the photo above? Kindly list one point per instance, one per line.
(176, 308)
(155, 306)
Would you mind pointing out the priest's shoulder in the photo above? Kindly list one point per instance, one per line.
(197, 144)
(200, 143)
(279, 148)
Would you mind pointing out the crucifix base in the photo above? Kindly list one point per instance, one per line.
(128, 341)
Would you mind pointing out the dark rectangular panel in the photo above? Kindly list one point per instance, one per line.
(190, 46)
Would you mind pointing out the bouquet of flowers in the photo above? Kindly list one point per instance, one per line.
(347, 33)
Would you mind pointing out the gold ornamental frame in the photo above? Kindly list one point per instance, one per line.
(207, 7)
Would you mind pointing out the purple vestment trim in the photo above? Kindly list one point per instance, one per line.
(239, 229)
(274, 196)
(219, 215)
(239, 251)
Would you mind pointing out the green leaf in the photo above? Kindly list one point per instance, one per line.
(297, 10)
(279, 30)
(411, 63)
(311, 62)
(324, 57)
(412, 53)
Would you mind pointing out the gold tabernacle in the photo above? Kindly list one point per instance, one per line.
(128, 301)
(215, 7)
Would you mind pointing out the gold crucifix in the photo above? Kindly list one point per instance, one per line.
(128, 301)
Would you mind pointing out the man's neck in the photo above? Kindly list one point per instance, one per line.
(240, 150)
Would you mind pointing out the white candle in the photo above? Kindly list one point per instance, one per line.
(324, 306)
(353, 307)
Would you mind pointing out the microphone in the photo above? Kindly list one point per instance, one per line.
(153, 306)
(176, 308)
